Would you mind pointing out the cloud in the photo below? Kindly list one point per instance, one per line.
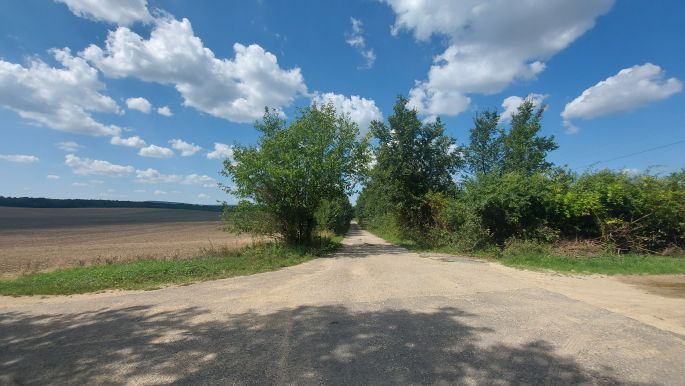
(58, 98)
(153, 176)
(139, 191)
(492, 43)
(203, 196)
(52, 177)
(221, 151)
(630, 171)
(79, 184)
(356, 40)
(630, 89)
(134, 141)
(361, 110)
(122, 12)
(86, 166)
(234, 89)
(186, 149)
(19, 158)
(165, 110)
(196, 179)
(155, 151)
(141, 104)
(68, 146)
(160, 192)
(512, 103)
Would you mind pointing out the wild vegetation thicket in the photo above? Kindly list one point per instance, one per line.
(500, 194)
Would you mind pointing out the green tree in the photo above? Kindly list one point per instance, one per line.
(524, 151)
(413, 159)
(285, 177)
(484, 153)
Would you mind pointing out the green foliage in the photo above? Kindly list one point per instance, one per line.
(513, 194)
(524, 151)
(284, 179)
(484, 153)
(334, 215)
(641, 213)
(412, 160)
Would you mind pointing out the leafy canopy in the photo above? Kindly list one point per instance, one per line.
(293, 169)
(413, 159)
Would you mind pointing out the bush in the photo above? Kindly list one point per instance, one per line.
(334, 215)
(641, 213)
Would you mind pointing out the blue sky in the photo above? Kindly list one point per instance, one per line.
(142, 100)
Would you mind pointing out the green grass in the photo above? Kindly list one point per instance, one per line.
(629, 264)
(544, 258)
(152, 274)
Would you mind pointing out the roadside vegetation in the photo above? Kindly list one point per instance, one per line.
(153, 274)
(499, 197)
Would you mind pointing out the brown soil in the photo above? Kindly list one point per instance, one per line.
(665, 285)
(78, 237)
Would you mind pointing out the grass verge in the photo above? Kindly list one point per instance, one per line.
(629, 264)
(152, 274)
(545, 258)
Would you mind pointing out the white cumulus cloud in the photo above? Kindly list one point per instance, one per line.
(221, 151)
(165, 110)
(235, 89)
(356, 39)
(361, 110)
(58, 98)
(123, 12)
(512, 103)
(134, 141)
(87, 166)
(186, 149)
(139, 103)
(52, 177)
(155, 151)
(19, 158)
(492, 43)
(630, 89)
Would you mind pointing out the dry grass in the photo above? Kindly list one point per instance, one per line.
(38, 240)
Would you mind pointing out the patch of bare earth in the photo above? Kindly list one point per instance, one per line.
(48, 239)
(665, 285)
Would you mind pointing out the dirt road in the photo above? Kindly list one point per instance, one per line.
(371, 314)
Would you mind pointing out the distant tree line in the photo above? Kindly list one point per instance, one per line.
(34, 202)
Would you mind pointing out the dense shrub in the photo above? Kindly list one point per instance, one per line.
(640, 213)
(334, 214)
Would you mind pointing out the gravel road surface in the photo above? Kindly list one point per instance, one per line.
(371, 314)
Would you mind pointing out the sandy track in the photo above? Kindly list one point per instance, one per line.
(372, 314)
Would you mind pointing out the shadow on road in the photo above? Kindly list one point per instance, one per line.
(305, 345)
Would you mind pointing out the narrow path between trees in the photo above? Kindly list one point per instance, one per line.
(371, 314)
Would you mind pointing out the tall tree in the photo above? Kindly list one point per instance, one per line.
(484, 152)
(413, 159)
(293, 168)
(524, 150)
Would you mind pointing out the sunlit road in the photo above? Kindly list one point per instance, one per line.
(371, 314)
